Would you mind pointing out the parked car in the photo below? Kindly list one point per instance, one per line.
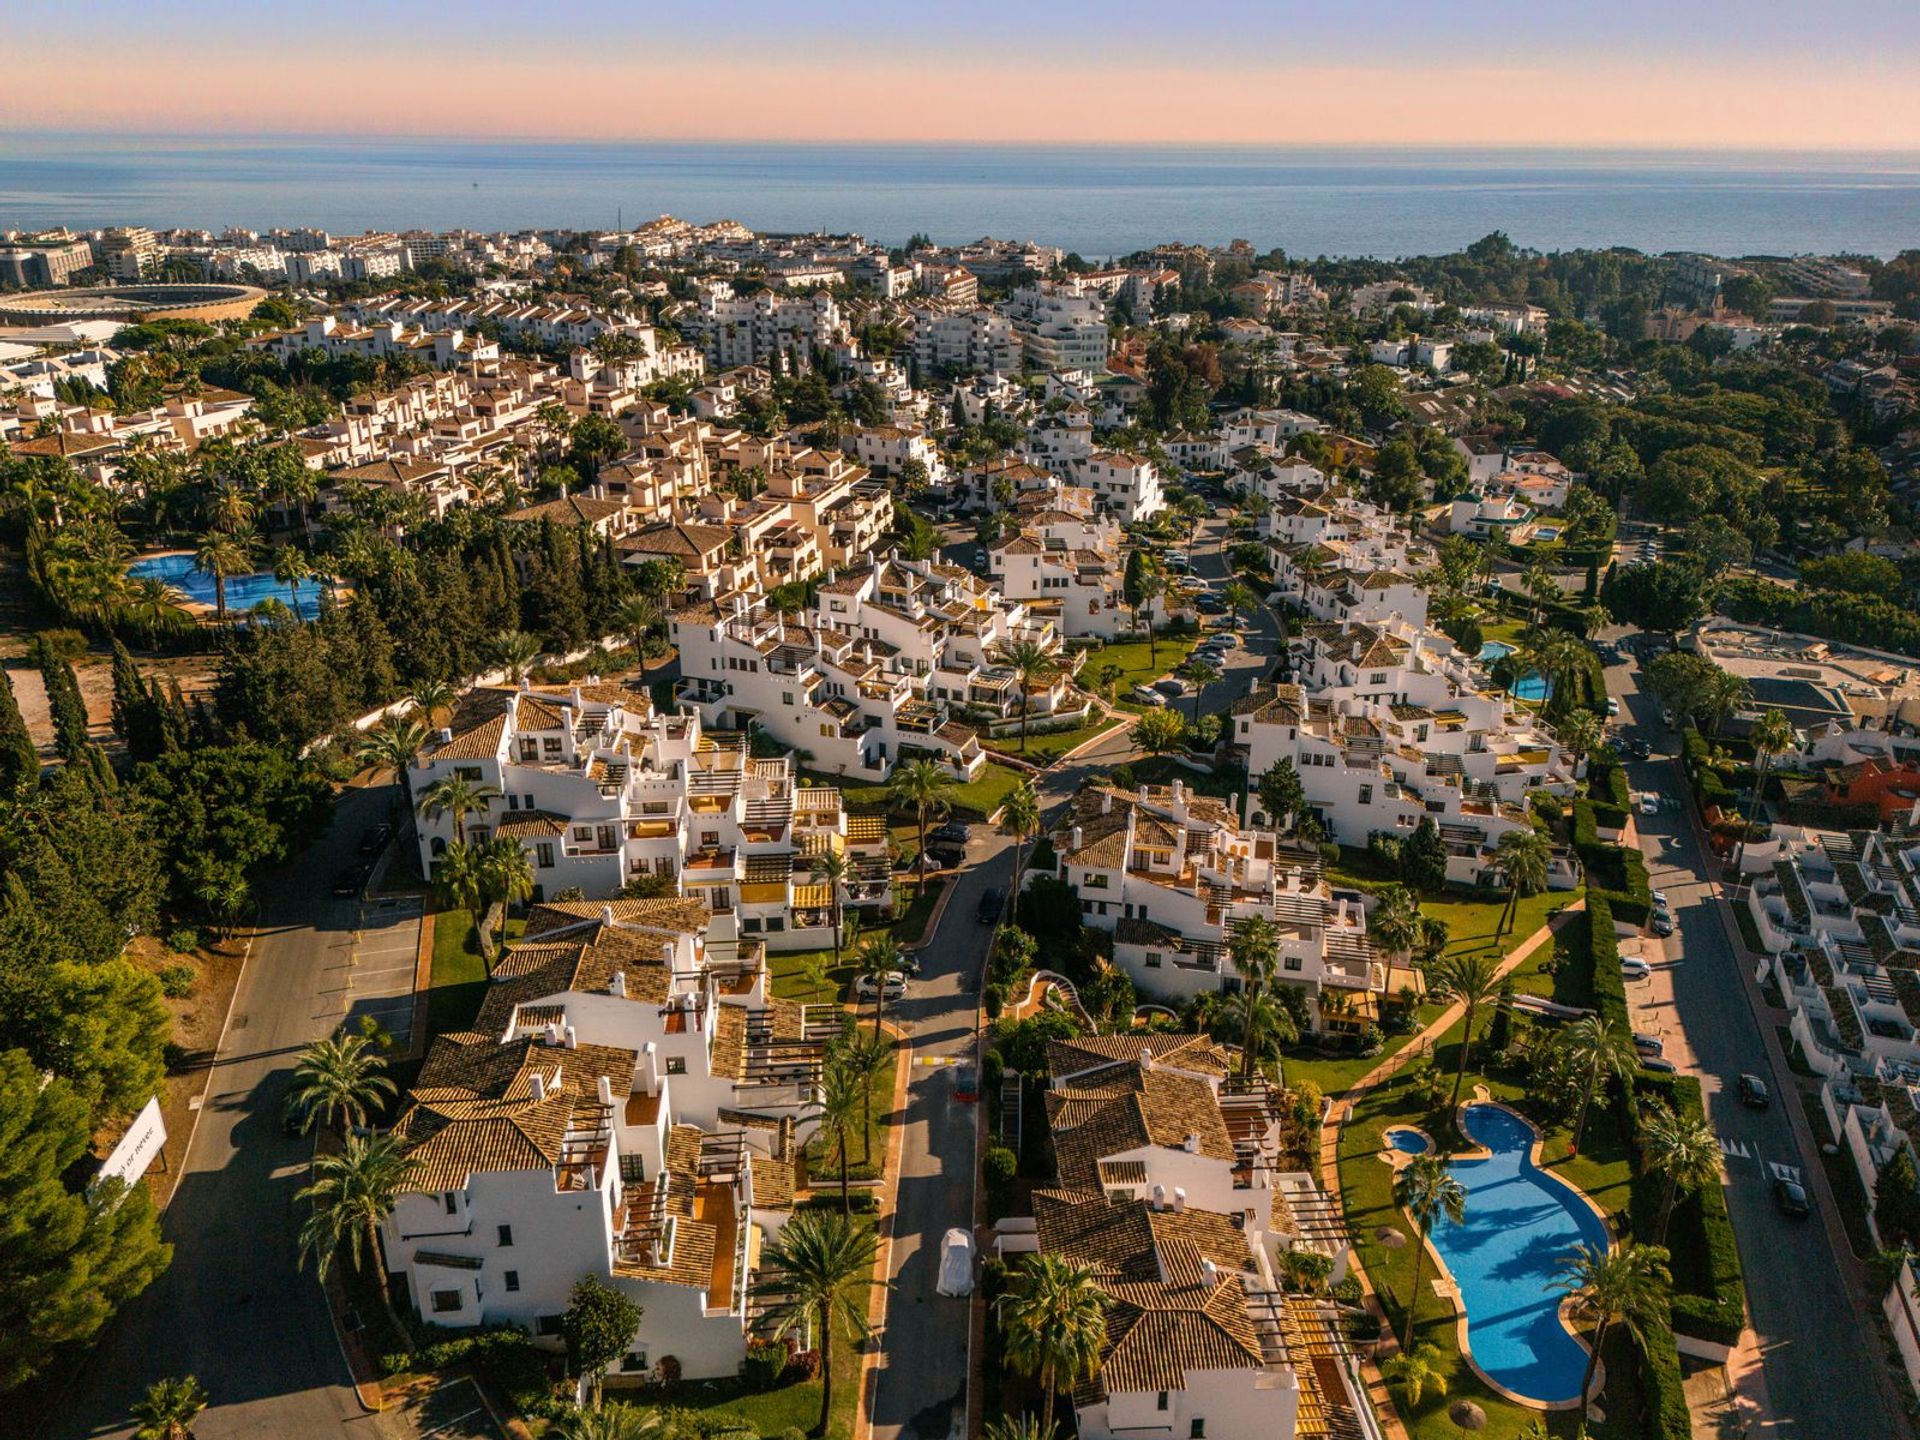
(375, 837)
(1659, 897)
(1660, 1063)
(946, 857)
(1613, 705)
(1640, 749)
(894, 986)
(966, 1083)
(1754, 1093)
(992, 901)
(1173, 688)
(1790, 1198)
(954, 832)
(1662, 923)
(1145, 695)
(1649, 804)
(1632, 967)
(1209, 605)
(350, 881)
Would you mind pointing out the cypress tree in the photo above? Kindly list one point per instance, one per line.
(64, 704)
(19, 758)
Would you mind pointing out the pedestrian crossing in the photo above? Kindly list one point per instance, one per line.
(1740, 1150)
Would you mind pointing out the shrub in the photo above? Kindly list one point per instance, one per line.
(763, 1366)
(64, 644)
(1000, 1165)
(183, 940)
(667, 1369)
(804, 1366)
(177, 980)
(1664, 1414)
(503, 1355)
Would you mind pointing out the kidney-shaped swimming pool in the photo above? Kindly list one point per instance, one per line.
(1520, 1224)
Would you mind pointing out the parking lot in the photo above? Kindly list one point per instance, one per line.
(377, 971)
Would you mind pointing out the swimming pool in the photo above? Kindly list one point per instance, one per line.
(1530, 686)
(1520, 1224)
(243, 591)
(1408, 1141)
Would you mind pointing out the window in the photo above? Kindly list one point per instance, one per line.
(543, 852)
(1153, 959)
(634, 1362)
(513, 1281)
(452, 1201)
(786, 697)
(1197, 1428)
(1366, 794)
(1292, 962)
(550, 1325)
(676, 1065)
(447, 1300)
(506, 1235)
(1161, 1403)
(467, 772)
(1096, 882)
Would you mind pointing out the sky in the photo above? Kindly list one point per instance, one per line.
(1607, 73)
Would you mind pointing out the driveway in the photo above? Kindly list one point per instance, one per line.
(234, 1309)
(1821, 1358)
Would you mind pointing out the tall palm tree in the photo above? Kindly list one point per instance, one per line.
(1600, 1051)
(169, 1408)
(1772, 735)
(151, 608)
(394, 744)
(459, 880)
(339, 1080)
(636, 618)
(925, 788)
(513, 651)
(352, 1193)
(1030, 662)
(1202, 673)
(1254, 948)
(866, 1054)
(1580, 733)
(435, 698)
(1541, 586)
(811, 1273)
(506, 874)
(876, 959)
(1626, 1286)
(290, 567)
(1239, 598)
(1394, 924)
(1683, 1151)
(1426, 1189)
(1262, 1022)
(1418, 1370)
(1053, 1316)
(1472, 981)
(1724, 693)
(1522, 855)
(832, 868)
(223, 555)
(459, 797)
(1020, 818)
(615, 1421)
(840, 1111)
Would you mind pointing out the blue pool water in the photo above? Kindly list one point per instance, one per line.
(243, 591)
(1408, 1142)
(1520, 1224)
(1530, 686)
(1546, 532)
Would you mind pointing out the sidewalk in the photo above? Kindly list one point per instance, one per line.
(1417, 1047)
(883, 1251)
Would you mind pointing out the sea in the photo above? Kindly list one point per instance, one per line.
(1100, 201)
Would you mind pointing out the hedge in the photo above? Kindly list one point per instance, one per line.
(1603, 959)
(1613, 817)
(1584, 838)
(1708, 1283)
(1664, 1413)
(1608, 783)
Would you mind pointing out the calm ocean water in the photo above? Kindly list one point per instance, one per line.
(1099, 201)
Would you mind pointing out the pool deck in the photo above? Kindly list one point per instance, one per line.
(1416, 1048)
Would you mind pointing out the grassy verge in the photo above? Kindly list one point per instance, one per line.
(459, 981)
(790, 1407)
(1045, 749)
(866, 1154)
(1139, 663)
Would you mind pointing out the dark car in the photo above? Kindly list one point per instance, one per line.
(951, 833)
(375, 837)
(966, 1083)
(1640, 749)
(348, 882)
(1209, 605)
(992, 901)
(1754, 1093)
(1662, 923)
(946, 857)
(1790, 1198)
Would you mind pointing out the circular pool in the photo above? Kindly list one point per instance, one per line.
(1408, 1141)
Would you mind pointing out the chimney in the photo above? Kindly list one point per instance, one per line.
(1159, 1200)
(1209, 1273)
(666, 953)
(1192, 1144)
(1340, 911)
(446, 735)
(539, 1086)
(1073, 843)
(1106, 802)
(553, 1032)
(1146, 1059)
(606, 914)
(1179, 1200)
(650, 1068)
(573, 1039)
(1179, 789)
(605, 1090)
(617, 984)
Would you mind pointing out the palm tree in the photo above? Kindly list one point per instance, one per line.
(1426, 1189)
(1683, 1151)
(1030, 662)
(810, 1273)
(1016, 1427)
(1541, 585)
(1599, 1051)
(1254, 948)
(636, 618)
(151, 609)
(1471, 981)
(513, 651)
(1418, 1370)
(290, 567)
(833, 869)
(876, 959)
(617, 1421)
(432, 698)
(1580, 733)
(169, 1408)
(1522, 855)
(1020, 818)
(459, 880)
(394, 744)
(352, 1193)
(1202, 673)
(840, 1111)
(1239, 598)
(924, 787)
(866, 1054)
(1053, 1316)
(459, 797)
(1625, 1286)
(223, 555)
(1394, 924)
(339, 1080)
(506, 876)
(1772, 735)
(1262, 1021)
(1725, 692)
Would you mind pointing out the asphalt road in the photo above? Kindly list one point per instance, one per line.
(233, 1309)
(1822, 1360)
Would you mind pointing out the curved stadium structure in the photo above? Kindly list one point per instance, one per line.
(199, 301)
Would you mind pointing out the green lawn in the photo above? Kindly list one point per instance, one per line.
(1366, 1184)
(866, 1155)
(791, 1407)
(975, 800)
(789, 967)
(459, 979)
(1045, 749)
(1137, 662)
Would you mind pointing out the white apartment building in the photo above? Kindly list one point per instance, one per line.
(600, 792)
(1060, 326)
(1171, 873)
(766, 328)
(628, 1104)
(1128, 485)
(880, 668)
(383, 339)
(887, 449)
(973, 341)
(1067, 566)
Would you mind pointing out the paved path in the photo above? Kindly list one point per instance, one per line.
(233, 1309)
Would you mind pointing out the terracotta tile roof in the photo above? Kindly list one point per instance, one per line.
(531, 825)
(1152, 1108)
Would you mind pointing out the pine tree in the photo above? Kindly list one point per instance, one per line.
(19, 759)
(70, 1259)
(136, 718)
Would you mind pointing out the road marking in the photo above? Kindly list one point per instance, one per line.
(1784, 1172)
(936, 1061)
(1735, 1149)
